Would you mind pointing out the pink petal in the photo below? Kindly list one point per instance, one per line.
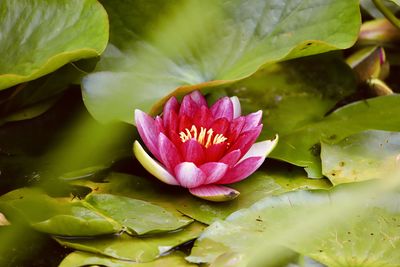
(185, 122)
(188, 107)
(189, 175)
(237, 110)
(153, 166)
(236, 128)
(192, 151)
(252, 120)
(148, 131)
(215, 152)
(242, 170)
(169, 154)
(220, 126)
(232, 157)
(223, 108)
(246, 140)
(198, 98)
(170, 115)
(213, 171)
(203, 117)
(216, 193)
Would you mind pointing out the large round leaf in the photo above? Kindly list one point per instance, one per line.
(325, 229)
(38, 37)
(205, 43)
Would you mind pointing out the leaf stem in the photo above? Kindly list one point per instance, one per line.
(387, 13)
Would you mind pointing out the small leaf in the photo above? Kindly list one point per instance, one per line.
(364, 156)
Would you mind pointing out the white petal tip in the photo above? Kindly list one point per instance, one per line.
(152, 166)
(216, 193)
(237, 110)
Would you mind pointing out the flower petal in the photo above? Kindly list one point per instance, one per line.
(203, 117)
(189, 175)
(170, 115)
(213, 171)
(232, 157)
(220, 126)
(188, 107)
(215, 152)
(169, 154)
(148, 131)
(192, 151)
(261, 149)
(223, 108)
(237, 110)
(153, 166)
(242, 170)
(250, 162)
(216, 193)
(252, 120)
(198, 98)
(246, 140)
(236, 128)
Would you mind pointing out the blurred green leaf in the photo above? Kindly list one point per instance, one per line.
(139, 217)
(55, 216)
(294, 95)
(366, 237)
(364, 156)
(158, 47)
(78, 259)
(30, 48)
(143, 249)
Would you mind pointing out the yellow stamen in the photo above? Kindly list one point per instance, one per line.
(204, 137)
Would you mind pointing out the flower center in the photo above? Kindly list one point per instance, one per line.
(205, 137)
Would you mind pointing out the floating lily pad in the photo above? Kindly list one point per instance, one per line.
(205, 43)
(55, 216)
(294, 95)
(78, 259)
(143, 249)
(257, 186)
(74, 29)
(137, 216)
(364, 156)
(368, 236)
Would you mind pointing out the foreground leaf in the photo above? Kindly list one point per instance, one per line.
(55, 216)
(207, 43)
(143, 249)
(38, 38)
(364, 156)
(77, 259)
(366, 237)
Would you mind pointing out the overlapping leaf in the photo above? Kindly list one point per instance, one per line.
(367, 237)
(199, 44)
(31, 48)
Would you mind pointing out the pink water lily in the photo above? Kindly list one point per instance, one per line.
(202, 148)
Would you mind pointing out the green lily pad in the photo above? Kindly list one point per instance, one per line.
(55, 216)
(138, 216)
(78, 259)
(364, 156)
(98, 214)
(143, 249)
(368, 236)
(257, 186)
(293, 95)
(206, 43)
(38, 38)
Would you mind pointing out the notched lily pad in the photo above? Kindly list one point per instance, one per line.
(143, 249)
(139, 217)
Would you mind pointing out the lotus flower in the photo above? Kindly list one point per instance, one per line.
(202, 148)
